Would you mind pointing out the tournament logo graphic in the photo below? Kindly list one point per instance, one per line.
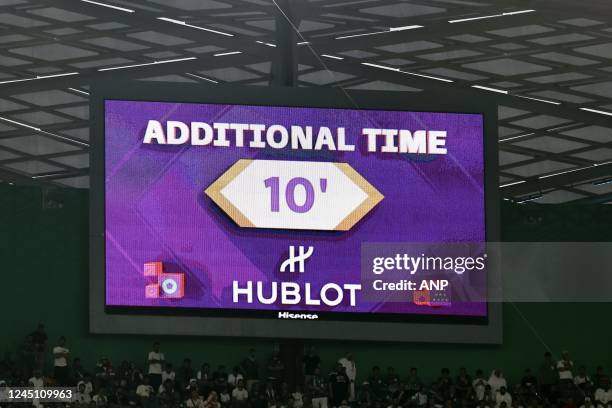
(165, 285)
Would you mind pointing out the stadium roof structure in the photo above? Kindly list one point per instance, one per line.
(548, 63)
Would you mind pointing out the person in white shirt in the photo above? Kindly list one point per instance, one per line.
(144, 390)
(350, 368)
(60, 362)
(240, 395)
(234, 377)
(298, 398)
(225, 398)
(420, 398)
(81, 396)
(496, 381)
(479, 384)
(603, 395)
(156, 360)
(503, 396)
(88, 385)
(168, 373)
(582, 379)
(36, 380)
(565, 367)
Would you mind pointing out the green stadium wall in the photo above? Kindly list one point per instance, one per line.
(45, 276)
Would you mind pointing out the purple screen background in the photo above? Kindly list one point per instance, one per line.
(156, 209)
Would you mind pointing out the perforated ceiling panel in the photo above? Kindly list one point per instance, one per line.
(549, 63)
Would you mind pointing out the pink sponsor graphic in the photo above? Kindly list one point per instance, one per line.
(163, 285)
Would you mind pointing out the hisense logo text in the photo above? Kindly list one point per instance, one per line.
(287, 315)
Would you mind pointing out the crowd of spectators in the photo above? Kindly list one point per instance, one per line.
(253, 383)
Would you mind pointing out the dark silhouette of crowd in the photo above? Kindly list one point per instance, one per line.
(256, 382)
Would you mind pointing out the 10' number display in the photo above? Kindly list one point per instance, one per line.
(294, 195)
(273, 183)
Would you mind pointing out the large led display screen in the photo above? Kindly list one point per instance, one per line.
(293, 212)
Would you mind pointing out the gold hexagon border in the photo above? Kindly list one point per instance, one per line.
(214, 192)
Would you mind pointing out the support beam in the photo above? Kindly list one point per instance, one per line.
(284, 68)
(563, 179)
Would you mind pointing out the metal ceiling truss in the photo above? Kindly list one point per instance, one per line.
(555, 147)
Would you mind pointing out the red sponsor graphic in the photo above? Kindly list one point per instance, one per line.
(163, 285)
(433, 298)
(421, 297)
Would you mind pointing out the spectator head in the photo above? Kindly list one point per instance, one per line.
(194, 393)
(413, 371)
(547, 356)
(503, 404)
(340, 368)
(479, 373)
(145, 379)
(40, 328)
(376, 370)
(498, 373)
(168, 367)
(462, 372)
(61, 341)
(502, 390)
(252, 353)
(349, 356)
(240, 384)
(186, 362)
(445, 372)
(156, 347)
(565, 355)
(236, 370)
(81, 387)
